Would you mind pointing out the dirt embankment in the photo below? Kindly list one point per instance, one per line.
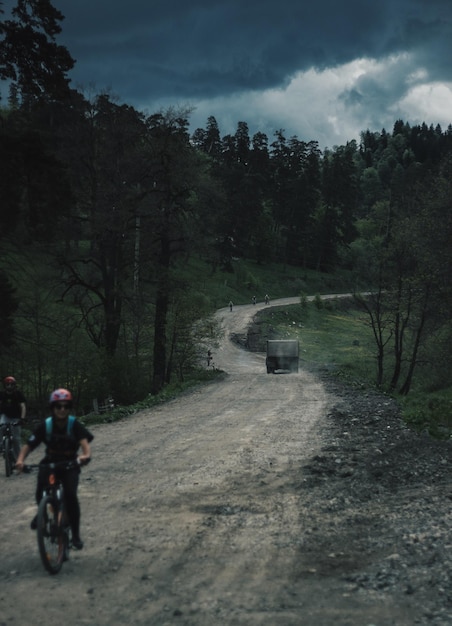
(260, 499)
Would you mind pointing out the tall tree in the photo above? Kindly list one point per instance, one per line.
(30, 57)
(107, 167)
(241, 184)
(340, 194)
(208, 140)
(280, 187)
(175, 168)
(8, 306)
(34, 187)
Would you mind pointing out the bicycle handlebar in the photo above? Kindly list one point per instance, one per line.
(55, 465)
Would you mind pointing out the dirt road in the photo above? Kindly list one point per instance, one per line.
(237, 504)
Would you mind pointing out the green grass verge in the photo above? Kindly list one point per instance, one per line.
(429, 411)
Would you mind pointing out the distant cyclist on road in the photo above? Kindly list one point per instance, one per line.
(12, 409)
(63, 435)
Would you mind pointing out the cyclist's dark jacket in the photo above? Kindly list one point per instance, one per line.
(10, 403)
(61, 446)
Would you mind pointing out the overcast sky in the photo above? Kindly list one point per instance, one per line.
(322, 70)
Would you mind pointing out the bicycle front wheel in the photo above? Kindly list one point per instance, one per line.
(51, 535)
(7, 452)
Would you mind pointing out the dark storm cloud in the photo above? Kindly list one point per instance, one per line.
(323, 70)
(199, 49)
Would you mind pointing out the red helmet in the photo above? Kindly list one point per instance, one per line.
(60, 395)
(9, 380)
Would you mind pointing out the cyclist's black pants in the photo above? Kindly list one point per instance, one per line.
(69, 479)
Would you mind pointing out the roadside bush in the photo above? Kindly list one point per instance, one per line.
(318, 302)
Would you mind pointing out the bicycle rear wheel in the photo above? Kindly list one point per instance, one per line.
(7, 452)
(51, 535)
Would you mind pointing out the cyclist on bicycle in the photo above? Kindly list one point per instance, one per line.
(12, 409)
(63, 436)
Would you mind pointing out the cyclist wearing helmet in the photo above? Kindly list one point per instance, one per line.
(12, 409)
(63, 436)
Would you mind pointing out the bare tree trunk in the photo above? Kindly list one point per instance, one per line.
(405, 388)
(398, 349)
(375, 313)
(161, 312)
(400, 326)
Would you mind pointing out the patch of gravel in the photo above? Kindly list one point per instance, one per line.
(379, 503)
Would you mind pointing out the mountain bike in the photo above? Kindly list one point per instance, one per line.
(8, 446)
(53, 531)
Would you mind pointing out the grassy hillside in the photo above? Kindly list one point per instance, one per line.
(251, 279)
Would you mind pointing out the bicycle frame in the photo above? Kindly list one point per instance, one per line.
(53, 525)
(53, 532)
